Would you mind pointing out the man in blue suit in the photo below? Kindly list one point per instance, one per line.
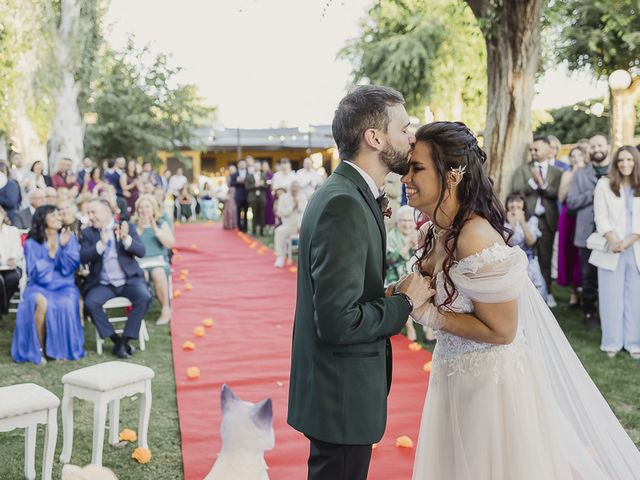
(110, 250)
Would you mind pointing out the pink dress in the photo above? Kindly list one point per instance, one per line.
(569, 273)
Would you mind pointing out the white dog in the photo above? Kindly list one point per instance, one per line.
(246, 431)
(90, 472)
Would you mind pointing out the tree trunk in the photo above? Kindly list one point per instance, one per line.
(68, 129)
(513, 57)
(623, 115)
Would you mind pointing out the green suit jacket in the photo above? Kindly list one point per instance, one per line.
(341, 355)
(520, 183)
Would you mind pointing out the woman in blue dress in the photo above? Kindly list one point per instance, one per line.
(48, 318)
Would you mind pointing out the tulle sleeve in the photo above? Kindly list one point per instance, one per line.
(494, 275)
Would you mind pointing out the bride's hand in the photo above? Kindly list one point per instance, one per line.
(428, 316)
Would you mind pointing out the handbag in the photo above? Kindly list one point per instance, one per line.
(597, 242)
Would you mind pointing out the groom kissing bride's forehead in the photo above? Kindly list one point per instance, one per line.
(341, 354)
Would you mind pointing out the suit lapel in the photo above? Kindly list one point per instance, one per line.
(352, 174)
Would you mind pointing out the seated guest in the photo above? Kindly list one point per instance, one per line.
(525, 235)
(69, 216)
(50, 196)
(11, 254)
(36, 178)
(186, 202)
(48, 318)
(157, 239)
(10, 196)
(290, 207)
(24, 216)
(110, 250)
(401, 244)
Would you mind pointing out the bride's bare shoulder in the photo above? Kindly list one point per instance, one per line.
(476, 235)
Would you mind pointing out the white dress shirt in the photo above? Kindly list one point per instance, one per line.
(376, 191)
(543, 168)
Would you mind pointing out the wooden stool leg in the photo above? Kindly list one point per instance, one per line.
(114, 421)
(67, 425)
(50, 437)
(99, 420)
(30, 434)
(145, 413)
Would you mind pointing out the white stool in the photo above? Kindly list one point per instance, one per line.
(121, 302)
(105, 384)
(25, 406)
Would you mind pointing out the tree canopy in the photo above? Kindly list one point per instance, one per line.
(430, 50)
(140, 107)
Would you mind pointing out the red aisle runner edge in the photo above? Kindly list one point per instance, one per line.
(248, 347)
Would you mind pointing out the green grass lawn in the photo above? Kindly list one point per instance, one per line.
(164, 433)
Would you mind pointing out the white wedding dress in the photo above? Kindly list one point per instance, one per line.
(523, 411)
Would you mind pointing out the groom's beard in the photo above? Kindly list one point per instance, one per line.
(395, 160)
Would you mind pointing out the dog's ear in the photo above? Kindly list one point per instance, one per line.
(262, 414)
(227, 397)
(72, 472)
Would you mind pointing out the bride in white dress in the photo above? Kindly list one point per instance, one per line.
(508, 398)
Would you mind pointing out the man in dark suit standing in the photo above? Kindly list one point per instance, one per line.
(341, 357)
(540, 182)
(238, 180)
(256, 186)
(111, 251)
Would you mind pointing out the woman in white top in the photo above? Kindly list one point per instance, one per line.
(11, 255)
(616, 207)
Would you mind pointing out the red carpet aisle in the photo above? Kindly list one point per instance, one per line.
(232, 280)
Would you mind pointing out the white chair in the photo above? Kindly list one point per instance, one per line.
(121, 302)
(25, 406)
(105, 384)
(292, 246)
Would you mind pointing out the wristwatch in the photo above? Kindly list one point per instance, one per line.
(406, 297)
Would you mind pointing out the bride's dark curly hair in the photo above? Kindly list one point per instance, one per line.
(454, 146)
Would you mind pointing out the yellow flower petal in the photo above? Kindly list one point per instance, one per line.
(127, 435)
(427, 367)
(188, 287)
(177, 293)
(198, 331)
(208, 322)
(415, 347)
(404, 442)
(188, 345)
(141, 455)
(293, 269)
(193, 372)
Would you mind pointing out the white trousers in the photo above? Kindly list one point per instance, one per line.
(281, 237)
(619, 300)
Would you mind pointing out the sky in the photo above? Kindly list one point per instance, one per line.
(266, 63)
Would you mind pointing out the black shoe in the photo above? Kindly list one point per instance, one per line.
(130, 349)
(120, 351)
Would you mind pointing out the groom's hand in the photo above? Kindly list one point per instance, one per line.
(417, 287)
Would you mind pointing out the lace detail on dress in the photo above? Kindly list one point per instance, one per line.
(455, 355)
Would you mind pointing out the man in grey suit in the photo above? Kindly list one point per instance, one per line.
(540, 182)
(36, 199)
(580, 199)
(341, 355)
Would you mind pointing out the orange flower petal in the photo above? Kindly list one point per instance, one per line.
(404, 442)
(194, 246)
(208, 322)
(141, 455)
(374, 446)
(127, 435)
(254, 245)
(188, 287)
(415, 347)
(176, 293)
(184, 271)
(182, 278)
(193, 372)
(198, 331)
(174, 250)
(293, 269)
(427, 367)
(188, 345)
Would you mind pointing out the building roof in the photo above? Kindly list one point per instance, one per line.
(220, 138)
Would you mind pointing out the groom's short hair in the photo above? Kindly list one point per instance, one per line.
(364, 107)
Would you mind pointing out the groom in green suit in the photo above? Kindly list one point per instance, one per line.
(341, 358)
